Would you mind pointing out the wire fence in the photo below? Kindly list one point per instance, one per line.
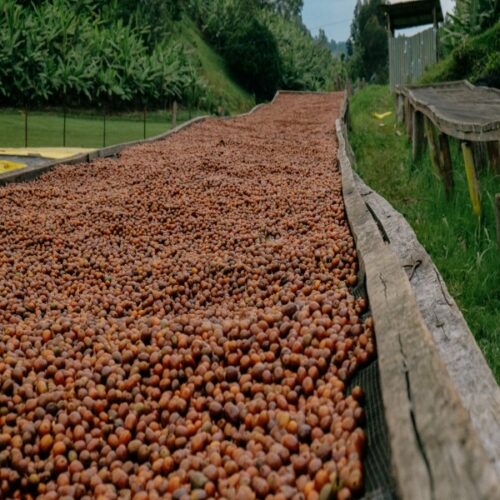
(59, 127)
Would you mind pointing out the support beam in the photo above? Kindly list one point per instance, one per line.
(480, 153)
(418, 135)
(408, 117)
(497, 214)
(400, 107)
(439, 149)
(446, 164)
(431, 141)
(494, 156)
(471, 178)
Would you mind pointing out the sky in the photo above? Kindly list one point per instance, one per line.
(335, 16)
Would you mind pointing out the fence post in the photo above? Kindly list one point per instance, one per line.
(26, 127)
(471, 178)
(174, 114)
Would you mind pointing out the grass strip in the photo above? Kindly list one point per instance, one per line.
(462, 247)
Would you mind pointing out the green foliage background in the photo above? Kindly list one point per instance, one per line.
(130, 54)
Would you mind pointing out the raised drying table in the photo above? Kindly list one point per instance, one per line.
(453, 109)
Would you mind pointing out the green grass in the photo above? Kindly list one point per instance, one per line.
(476, 59)
(85, 129)
(228, 94)
(463, 249)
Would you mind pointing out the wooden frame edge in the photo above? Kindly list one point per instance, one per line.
(435, 450)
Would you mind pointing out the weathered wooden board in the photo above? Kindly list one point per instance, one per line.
(469, 372)
(436, 452)
(458, 109)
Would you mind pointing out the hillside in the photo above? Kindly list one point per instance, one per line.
(214, 55)
(476, 59)
(225, 92)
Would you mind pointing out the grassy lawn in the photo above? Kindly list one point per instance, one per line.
(463, 249)
(82, 130)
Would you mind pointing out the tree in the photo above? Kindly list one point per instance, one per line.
(286, 8)
(369, 42)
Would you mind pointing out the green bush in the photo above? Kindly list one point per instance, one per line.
(476, 59)
(247, 45)
(267, 46)
(82, 52)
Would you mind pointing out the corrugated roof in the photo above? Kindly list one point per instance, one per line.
(410, 13)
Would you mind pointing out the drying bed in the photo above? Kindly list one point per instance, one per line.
(181, 321)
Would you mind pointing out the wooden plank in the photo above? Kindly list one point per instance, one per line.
(435, 451)
(464, 361)
(418, 135)
(472, 181)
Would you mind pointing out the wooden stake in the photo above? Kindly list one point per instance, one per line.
(440, 155)
(446, 164)
(431, 141)
(417, 135)
(471, 178)
(26, 127)
(480, 153)
(497, 213)
(400, 108)
(408, 117)
(494, 156)
(174, 114)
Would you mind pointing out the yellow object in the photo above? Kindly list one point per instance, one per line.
(381, 116)
(471, 179)
(51, 153)
(7, 166)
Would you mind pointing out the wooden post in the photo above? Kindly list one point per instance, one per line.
(431, 140)
(400, 108)
(497, 213)
(408, 116)
(471, 178)
(440, 155)
(26, 127)
(174, 114)
(104, 126)
(446, 164)
(417, 135)
(480, 153)
(494, 156)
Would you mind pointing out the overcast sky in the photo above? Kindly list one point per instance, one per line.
(335, 16)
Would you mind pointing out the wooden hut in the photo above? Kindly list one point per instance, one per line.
(410, 56)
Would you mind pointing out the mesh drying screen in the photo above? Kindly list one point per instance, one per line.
(377, 460)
